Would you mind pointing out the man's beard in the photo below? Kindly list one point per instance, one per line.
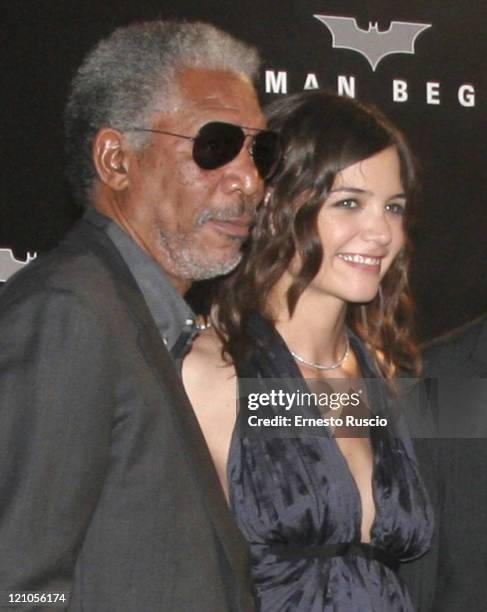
(186, 260)
(185, 257)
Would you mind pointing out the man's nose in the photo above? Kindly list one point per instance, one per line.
(241, 174)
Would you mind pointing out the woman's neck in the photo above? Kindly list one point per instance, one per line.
(316, 330)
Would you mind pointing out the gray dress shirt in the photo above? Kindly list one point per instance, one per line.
(172, 315)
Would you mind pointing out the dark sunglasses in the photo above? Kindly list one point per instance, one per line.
(218, 143)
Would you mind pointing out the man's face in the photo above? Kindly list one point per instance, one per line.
(194, 221)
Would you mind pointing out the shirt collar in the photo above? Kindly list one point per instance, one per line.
(171, 313)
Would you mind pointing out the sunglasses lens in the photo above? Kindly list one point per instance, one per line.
(217, 144)
(266, 152)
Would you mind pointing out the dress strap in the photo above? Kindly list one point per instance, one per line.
(342, 549)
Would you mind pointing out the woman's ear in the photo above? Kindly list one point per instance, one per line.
(111, 158)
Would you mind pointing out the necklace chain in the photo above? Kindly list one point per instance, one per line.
(203, 323)
(321, 366)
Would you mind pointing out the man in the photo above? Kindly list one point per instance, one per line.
(107, 490)
(454, 465)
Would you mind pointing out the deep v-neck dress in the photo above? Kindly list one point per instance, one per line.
(294, 497)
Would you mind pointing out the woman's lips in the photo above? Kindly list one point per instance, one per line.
(368, 263)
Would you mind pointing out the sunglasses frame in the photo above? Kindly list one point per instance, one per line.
(273, 166)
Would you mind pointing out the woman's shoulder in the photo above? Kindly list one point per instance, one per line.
(208, 379)
(207, 345)
(206, 359)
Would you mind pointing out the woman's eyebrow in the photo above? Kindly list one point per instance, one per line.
(363, 191)
(350, 190)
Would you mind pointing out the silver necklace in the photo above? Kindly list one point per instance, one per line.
(204, 325)
(321, 366)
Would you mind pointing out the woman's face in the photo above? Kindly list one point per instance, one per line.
(361, 228)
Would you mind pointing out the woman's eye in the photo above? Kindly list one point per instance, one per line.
(346, 204)
(396, 209)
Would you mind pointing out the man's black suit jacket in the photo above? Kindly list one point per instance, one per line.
(453, 576)
(107, 489)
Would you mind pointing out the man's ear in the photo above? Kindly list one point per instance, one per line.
(111, 157)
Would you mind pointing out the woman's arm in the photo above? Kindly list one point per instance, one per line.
(211, 386)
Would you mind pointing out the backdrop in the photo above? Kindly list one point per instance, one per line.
(423, 63)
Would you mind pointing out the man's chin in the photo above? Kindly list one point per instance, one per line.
(218, 268)
(198, 269)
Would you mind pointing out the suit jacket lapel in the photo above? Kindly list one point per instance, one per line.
(192, 440)
(196, 450)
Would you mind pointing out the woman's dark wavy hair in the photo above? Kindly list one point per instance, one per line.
(322, 134)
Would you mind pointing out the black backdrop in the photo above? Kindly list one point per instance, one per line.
(43, 41)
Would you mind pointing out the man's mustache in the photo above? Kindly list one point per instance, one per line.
(241, 209)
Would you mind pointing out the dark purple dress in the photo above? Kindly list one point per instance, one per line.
(298, 506)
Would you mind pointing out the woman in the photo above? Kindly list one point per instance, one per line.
(321, 294)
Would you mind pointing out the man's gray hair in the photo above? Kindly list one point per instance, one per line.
(131, 75)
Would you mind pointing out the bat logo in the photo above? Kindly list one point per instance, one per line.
(372, 44)
(9, 265)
